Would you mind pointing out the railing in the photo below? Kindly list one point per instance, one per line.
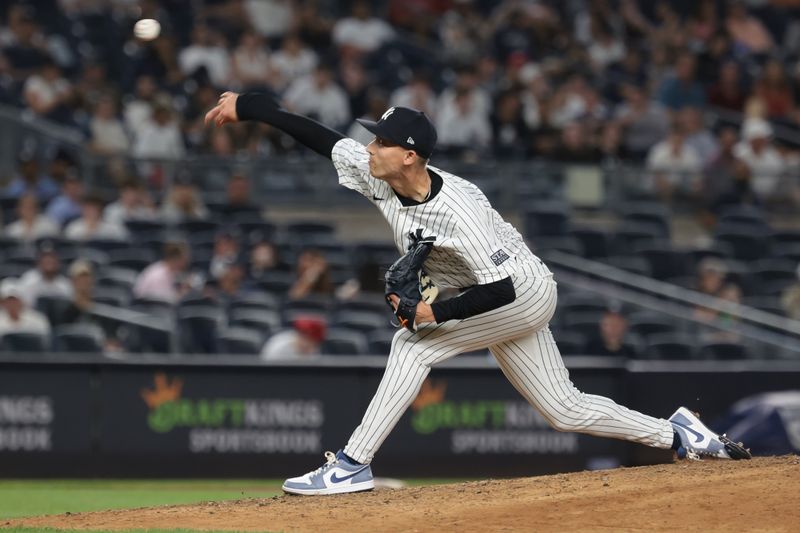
(678, 302)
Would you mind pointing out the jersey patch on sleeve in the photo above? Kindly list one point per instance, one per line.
(499, 257)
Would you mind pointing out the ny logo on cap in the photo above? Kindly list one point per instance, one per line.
(387, 113)
(410, 140)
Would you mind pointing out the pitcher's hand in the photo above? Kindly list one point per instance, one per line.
(225, 110)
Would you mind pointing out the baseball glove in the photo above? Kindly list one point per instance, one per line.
(403, 280)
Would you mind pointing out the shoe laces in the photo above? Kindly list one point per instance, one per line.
(330, 458)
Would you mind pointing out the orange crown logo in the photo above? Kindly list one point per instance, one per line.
(163, 391)
(430, 393)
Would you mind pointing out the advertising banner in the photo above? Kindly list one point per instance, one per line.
(476, 417)
(225, 412)
(44, 412)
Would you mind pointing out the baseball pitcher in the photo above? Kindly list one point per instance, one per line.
(452, 237)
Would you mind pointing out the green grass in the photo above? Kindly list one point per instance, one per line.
(33, 498)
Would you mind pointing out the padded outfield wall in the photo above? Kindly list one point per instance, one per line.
(197, 417)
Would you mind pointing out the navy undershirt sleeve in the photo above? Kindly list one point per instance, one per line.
(307, 131)
(479, 299)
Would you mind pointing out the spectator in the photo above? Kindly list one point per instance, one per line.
(30, 179)
(711, 276)
(264, 259)
(66, 206)
(765, 162)
(226, 250)
(208, 53)
(509, 131)
(726, 180)
(576, 146)
(674, 166)
(749, 35)
(159, 137)
(728, 92)
(48, 93)
(682, 89)
(108, 137)
(270, 18)
(304, 340)
(574, 101)
(161, 279)
(134, 203)
(361, 32)
(462, 125)
(229, 281)
(138, 109)
(46, 279)
(644, 122)
(182, 201)
(239, 195)
(605, 49)
(611, 340)
(313, 275)
(416, 94)
(317, 95)
(91, 225)
(31, 225)
(773, 92)
(15, 316)
(293, 61)
(698, 138)
(251, 64)
(790, 299)
(81, 277)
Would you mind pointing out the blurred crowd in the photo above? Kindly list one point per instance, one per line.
(695, 90)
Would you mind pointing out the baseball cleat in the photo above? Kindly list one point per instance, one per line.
(337, 476)
(698, 441)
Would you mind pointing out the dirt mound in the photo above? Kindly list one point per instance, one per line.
(762, 494)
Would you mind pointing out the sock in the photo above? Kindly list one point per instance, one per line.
(676, 440)
(350, 459)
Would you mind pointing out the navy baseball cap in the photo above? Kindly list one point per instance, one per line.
(405, 127)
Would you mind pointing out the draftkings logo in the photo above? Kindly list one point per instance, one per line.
(234, 425)
(486, 426)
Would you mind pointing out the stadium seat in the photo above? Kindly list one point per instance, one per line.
(309, 304)
(197, 330)
(743, 215)
(240, 341)
(586, 323)
(24, 342)
(655, 214)
(154, 306)
(111, 296)
(571, 343)
(647, 323)
(633, 234)
(380, 341)
(106, 245)
(748, 244)
(596, 243)
(665, 261)
(546, 219)
(373, 302)
(83, 338)
(123, 278)
(344, 341)
(723, 351)
(583, 303)
(255, 300)
(364, 321)
(310, 231)
(630, 263)
(195, 227)
(669, 346)
(143, 229)
(277, 282)
(570, 245)
(53, 307)
(265, 322)
(133, 258)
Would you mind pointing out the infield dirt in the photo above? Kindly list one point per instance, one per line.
(758, 495)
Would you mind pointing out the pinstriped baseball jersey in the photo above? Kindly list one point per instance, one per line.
(474, 245)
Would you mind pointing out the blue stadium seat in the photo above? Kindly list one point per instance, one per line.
(240, 341)
(24, 342)
(83, 338)
(344, 341)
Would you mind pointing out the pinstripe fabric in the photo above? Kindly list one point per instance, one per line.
(518, 337)
(474, 245)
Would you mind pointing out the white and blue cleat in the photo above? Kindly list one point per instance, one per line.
(337, 476)
(697, 441)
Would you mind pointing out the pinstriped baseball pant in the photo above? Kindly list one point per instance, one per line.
(518, 337)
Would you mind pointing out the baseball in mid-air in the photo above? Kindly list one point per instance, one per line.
(146, 29)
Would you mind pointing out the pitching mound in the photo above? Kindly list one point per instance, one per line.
(762, 494)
